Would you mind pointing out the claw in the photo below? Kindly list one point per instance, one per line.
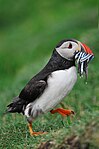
(73, 112)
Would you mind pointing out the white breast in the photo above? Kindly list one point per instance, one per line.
(60, 84)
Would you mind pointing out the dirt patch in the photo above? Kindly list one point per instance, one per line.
(89, 139)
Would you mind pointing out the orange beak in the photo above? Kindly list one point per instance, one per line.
(87, 49)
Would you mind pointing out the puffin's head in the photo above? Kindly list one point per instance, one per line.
(72, 49)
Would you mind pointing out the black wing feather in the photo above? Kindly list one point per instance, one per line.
(29, 93)
(38, 83)
(32, 90)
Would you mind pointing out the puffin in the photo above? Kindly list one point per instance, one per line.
(53, 83)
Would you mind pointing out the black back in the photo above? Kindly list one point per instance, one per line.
(36, 86)
(56, 62)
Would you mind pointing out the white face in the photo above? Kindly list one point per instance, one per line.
(67, 49)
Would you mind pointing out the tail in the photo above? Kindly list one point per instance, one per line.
(16, 106)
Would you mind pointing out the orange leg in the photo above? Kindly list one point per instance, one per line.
(32, 133)
(62, 111)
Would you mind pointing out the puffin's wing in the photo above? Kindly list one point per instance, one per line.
(29, 93)
(32, 90)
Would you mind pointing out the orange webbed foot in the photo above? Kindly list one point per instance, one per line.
(32, 133)
(37, 133)
(62, 111)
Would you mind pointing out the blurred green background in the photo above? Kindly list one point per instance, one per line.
(29, 31)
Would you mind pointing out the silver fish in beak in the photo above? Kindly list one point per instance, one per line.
(83, 57)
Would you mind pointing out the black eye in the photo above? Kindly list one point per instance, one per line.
(70, 46)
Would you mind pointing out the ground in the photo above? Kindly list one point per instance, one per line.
(29, 32)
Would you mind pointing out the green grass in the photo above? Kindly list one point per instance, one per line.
(28, 33)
